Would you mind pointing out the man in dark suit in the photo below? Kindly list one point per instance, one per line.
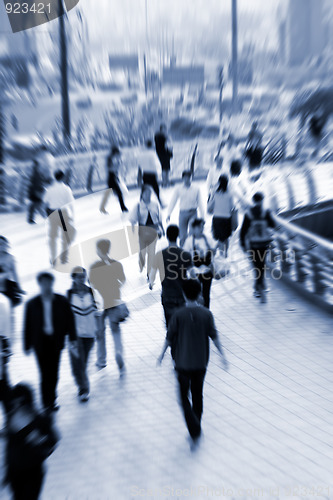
(164, 153)
(48, 319)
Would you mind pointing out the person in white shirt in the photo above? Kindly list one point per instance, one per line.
(59, 201)
(190, 200)
(149, 168)
(221, 205)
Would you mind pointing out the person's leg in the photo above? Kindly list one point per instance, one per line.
(164, 177)
(116, 335)
(53, 235)
(87, 344)
(206, 281)
(258, 265)
(54, 363)
(65, 246)
(169, 307)
(77, 366)
(156, 187)
(142, 247)
(197, 381)
(183, 223)
(191, 419)
(31, 212)
(100, 339)
(104, 201)
(151, 250)
(114, 184)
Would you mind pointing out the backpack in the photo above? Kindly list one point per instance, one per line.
(259, 233)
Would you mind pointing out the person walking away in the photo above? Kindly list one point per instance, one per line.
(36, 191)
(113, 167)
(82, 302)
(31, 438)
(48, 319)
(254, 149)
(172, 264)
(90, 177)
(147, 214)
(221, 205)
(255, 238)
(238, 188)
(190, 201)
(59, 202)
(202, 250)
(188, 335)
(107, 277)
(149, 168)
(164, 153)
(231, 152)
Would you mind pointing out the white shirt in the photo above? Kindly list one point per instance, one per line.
(189, 199)
(148, 162)
(4, 316)
(48, 317)
(223, 204)
(58, 195)
(139, 214)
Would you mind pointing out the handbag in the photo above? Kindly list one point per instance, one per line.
(13, 292)
(234, 220)
(122, 312)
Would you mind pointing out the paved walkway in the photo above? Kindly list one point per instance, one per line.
(267, 423)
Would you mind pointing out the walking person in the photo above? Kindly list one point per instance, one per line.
(84, 308)
(149, 168)
(254, 148)
(5, 351)
(190, 201)
(214, 174)
(31, 438)
(107, 277)
(172, 264)
(164, 153)
(202, 250)
(255, 238)
(48, 319)
(147, 214)
(221, 205)
(36, 191)
(113, 167)
(9, 279)
(188, 335)
(59, 202)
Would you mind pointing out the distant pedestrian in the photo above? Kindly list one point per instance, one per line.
(113, 167)
(59, 202)
(190, 201)
(48, 319)
(36, 190)
(31, 439)
(147, 214)
(202, 249)
(214, 174)
(254, 148)
(107, 277)
(164, 153)
(188, 335)
(149, 168)
(84, 308)
(172, 264)
(255, 238)
(221, 205)
(91, 172)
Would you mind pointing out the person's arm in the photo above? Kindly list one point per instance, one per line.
(70, 320)
(14, 271)
(27, 329)
(164, 349)
(215, 338)
(244, 230)
(121, 277)
(172, 204)
(171, 333)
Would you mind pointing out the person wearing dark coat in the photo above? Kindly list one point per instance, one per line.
(36, 191)
(164, 153)
(48, 319)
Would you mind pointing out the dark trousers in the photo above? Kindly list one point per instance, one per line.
(206, 283)
(192, 381)
(79, 365)
(170, 306)
(48, 359)
(26, 485)
(258, 257)
(151, 180)
(113, 183)
(35, 206)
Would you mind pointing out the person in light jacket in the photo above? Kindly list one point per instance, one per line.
(147, 215)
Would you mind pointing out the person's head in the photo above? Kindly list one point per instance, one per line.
(21, 395)
(172, 233)
(187, 177)
(146, 192)
(78, 275)
(45, 281)
(149, 144)
(191, 289)
(197, 227)
(223, 183)
(258, 199)
(103, 247)
(235, 168)
(59, 175)
(4, 244)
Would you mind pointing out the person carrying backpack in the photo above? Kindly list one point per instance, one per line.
(256, 237)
